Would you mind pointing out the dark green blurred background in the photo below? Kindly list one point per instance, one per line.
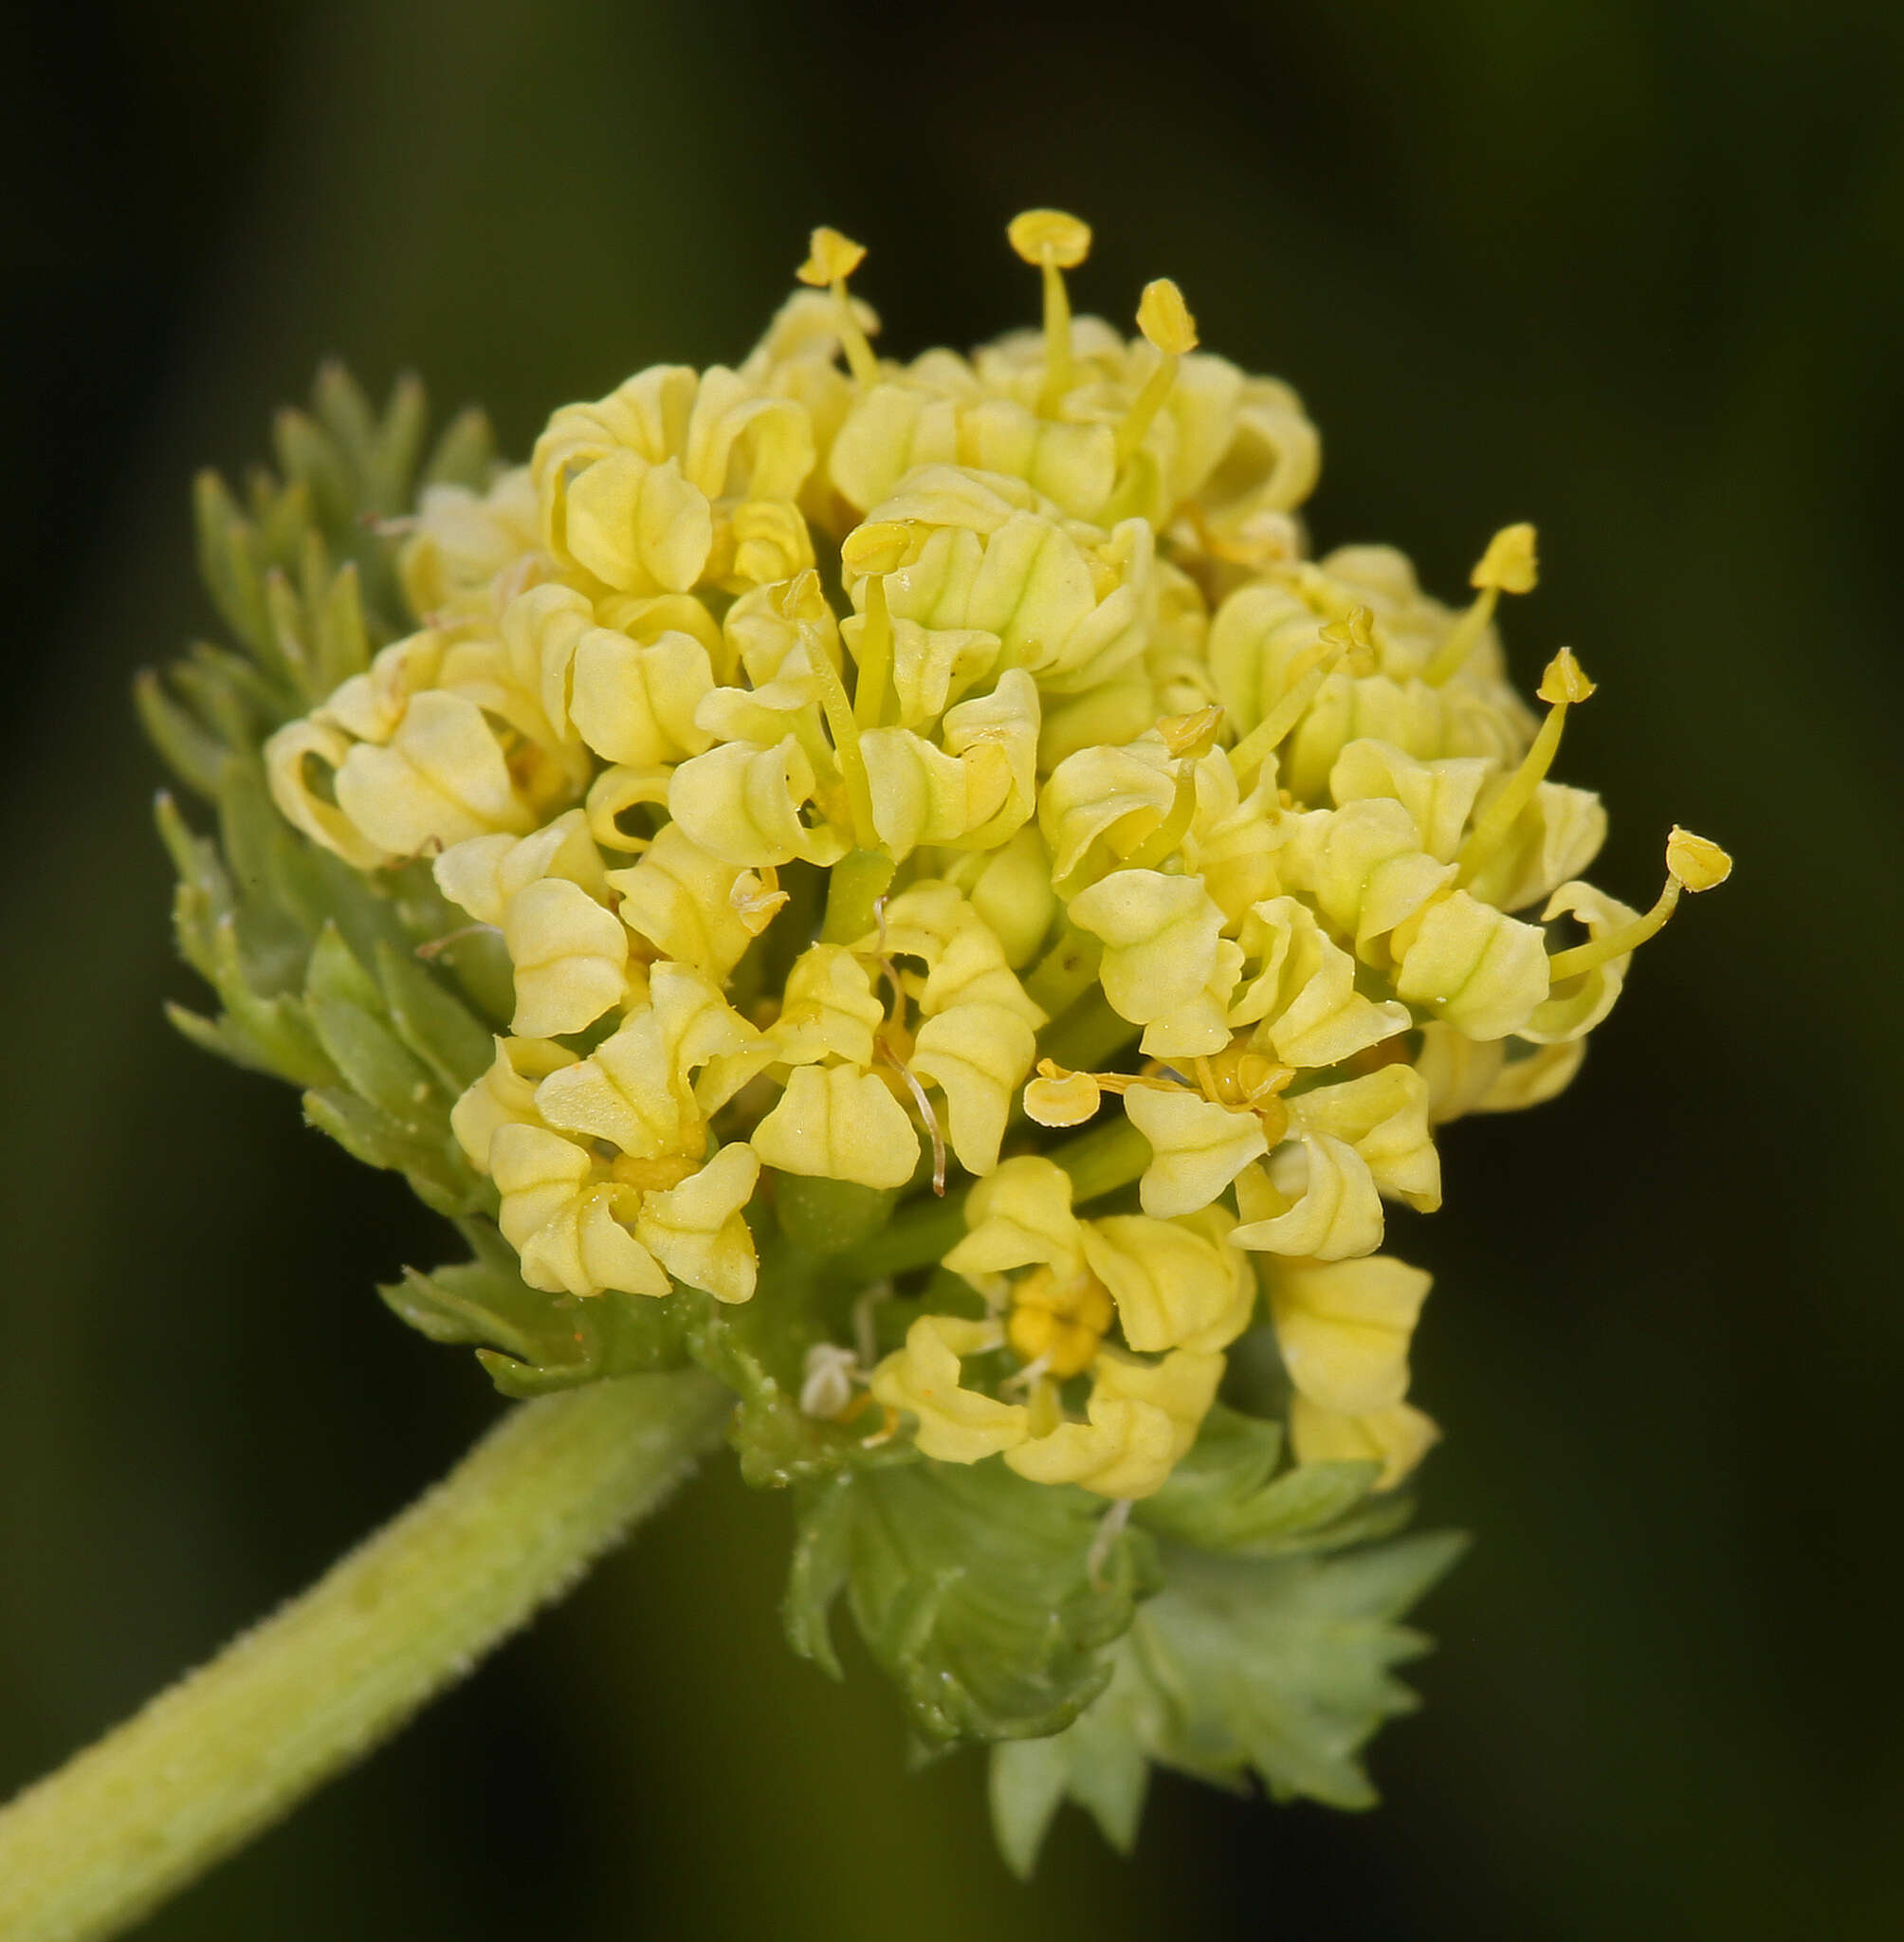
(1628, 269)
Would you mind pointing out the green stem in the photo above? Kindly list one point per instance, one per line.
(235, 1745)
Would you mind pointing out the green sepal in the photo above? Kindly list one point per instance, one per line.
(1280, 1668)
(1099, 1761)
(1224, 1496)
(532, 1343)
(973, 1590)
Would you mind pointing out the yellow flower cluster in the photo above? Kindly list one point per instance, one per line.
(869, 766)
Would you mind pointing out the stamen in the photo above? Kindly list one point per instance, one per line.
(1164, 319)
(925, 1113)
(834, 258)
(874, 551)
(436, 945)
(1053, 241)
(805, 605)
(1353, 638)
(1564, 683)
(1508, 566)
(1058, 1098)
(1108, 1530)
(1692, 863)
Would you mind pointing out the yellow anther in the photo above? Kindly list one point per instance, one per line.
(1692, 864)
(831, 258)
(1050, 236)
(1053, 241)
(1058, 1098)
(876, 547)
(803, 600)
(1695, 861)
(1059, 1320)
(758, 899)
(1193, 734)
(1564, 683)
(1240, 1076)
(1164, 319)
(1339, 640)
(1507, 567)
(1354, 633)
(1564, 680)
(1509, 564)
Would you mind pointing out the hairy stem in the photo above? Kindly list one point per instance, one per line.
(237, 1744)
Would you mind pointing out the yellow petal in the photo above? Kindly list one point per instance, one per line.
(570, 957)
(978, 1055)
(506, 1094)
(1176, 1282)
(955, 1424)
(1482, 972)
(1344, 1330)
(1396, 1437)
(1144, 1418)
(840, 1124)
(1197, 1146)
(635, 705)
(696, 1230)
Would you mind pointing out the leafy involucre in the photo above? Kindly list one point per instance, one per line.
(973, 1590)
(1278, 1667)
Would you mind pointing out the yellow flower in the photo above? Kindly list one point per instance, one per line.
(834, 743)
(1142, 1418)
(955, 1424)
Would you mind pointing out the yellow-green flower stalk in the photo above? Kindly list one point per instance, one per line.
(907, 885)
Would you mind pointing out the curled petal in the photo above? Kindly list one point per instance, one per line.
(1176, 1282)
(680, 898)
(1344, 1329)
(634, 1089)
(696, 1231)
(441, 778)
(1143, 1417)
(570, 957)
(482, 873)
(839, 1124)
(1302, 998)
(1581, 1001)
(1164, 964)
(635, 705)
(743, 803)
(1020, 1215)
(1319, 1201)
(956, 1424)
(1482, 972)
(1198, 1148)
(569, 1230)
(1383, 1116)
(506, 1094)
(829, 1010)
(1396, 1437)
(978, 1055)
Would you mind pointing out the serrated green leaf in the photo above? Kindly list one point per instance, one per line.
(973, 1590)
(437, 1173)
(822, 1561)
(1283, 1665)
(1277, 1667)
(1098, 1761)
(397, 445)
(610, 1334)
(1225, 1495)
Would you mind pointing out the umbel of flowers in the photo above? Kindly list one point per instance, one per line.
(956, 778)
